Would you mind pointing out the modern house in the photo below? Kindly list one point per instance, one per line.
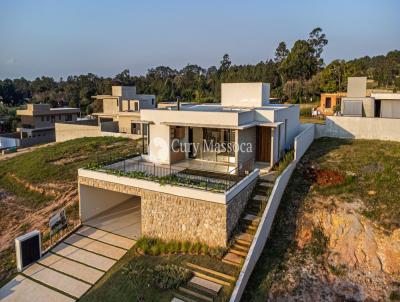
(201, 166)
(38, 121)
(360, 102)
(123, 107)
(119, 116)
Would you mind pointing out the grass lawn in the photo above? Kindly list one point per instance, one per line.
(57, 163)
(32, 182)
(115, 286)
(369, 172)
(311, 120)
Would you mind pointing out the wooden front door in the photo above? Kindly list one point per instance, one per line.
(263, 144)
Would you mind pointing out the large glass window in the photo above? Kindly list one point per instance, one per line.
(218, 144)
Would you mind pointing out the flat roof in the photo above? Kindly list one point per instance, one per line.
(386, 96)
(220, 108)
(63, 108)
(240, 127)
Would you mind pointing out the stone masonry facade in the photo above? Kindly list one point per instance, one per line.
(172, 217)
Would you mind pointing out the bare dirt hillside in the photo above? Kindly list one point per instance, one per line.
(35, 184)
(336, 236)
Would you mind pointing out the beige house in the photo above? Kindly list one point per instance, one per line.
(123, 107)
(202, 164)
(120, 116)
(38, 121)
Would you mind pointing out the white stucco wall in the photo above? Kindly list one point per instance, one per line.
(291, 115)
(93, 201)
(303, 141)
(245, 94)
(360, 128)
(159, 147)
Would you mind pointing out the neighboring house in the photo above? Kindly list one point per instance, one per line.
(361, 102)
(183, 189)
(329, 102)
(38, 122)
(123, 107)
(120, 116)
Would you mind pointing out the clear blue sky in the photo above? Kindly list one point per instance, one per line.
(64, 37)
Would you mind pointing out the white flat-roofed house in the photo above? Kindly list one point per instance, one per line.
(202, 163)
(363, 102)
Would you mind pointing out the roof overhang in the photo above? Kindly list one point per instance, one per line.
(239, 127)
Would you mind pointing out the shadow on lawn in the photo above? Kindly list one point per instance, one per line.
(281, 240)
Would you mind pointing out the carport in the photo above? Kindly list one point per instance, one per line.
(113, 212)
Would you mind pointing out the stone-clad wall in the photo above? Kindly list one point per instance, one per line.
(170, 217)
(236, 206)
(174, 217)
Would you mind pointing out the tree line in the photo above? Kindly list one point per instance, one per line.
(298, 74)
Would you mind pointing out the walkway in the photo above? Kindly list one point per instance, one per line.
(71, 268)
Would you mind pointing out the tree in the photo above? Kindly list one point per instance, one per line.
(225, 63)
(281, 53)
(301, 63)
(318, 40)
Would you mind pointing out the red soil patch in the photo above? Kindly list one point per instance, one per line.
(325, 177)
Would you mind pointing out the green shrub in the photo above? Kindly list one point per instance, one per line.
(169, 276)
(217, 252)
(155, 247)
(185, 247)
(284, 162)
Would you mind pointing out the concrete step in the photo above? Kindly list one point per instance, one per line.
(195, 294)
(252, 227)
(242, 242)
(205, 285)
(237, 252)
(245, 237)
(212, 279)
(233, 259)
(183, 298)
(210, 271)
(265, 184)
(260, 198)
(251, 219)
(240, 247)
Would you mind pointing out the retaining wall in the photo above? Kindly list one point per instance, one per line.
(302, 142)
(360, 128)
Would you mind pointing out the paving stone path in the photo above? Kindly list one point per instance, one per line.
(70, 269)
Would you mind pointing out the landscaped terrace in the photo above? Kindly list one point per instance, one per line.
(210, 176)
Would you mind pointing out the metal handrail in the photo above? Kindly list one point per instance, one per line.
(229, 179)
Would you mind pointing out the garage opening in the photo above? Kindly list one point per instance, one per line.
(110, 211)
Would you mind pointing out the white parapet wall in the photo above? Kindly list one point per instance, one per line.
(262, 233)
(360, 128)
(223, 198)
(301, 143)
(303, 140)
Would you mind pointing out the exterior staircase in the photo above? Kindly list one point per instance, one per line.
(250, 220)
(206, 284)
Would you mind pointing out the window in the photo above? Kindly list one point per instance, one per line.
(53, 119)
(42, 118)
(328, 102)
(136, 106)
(152, 101)
(47, 118)
(59, 117)
(68, 118)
